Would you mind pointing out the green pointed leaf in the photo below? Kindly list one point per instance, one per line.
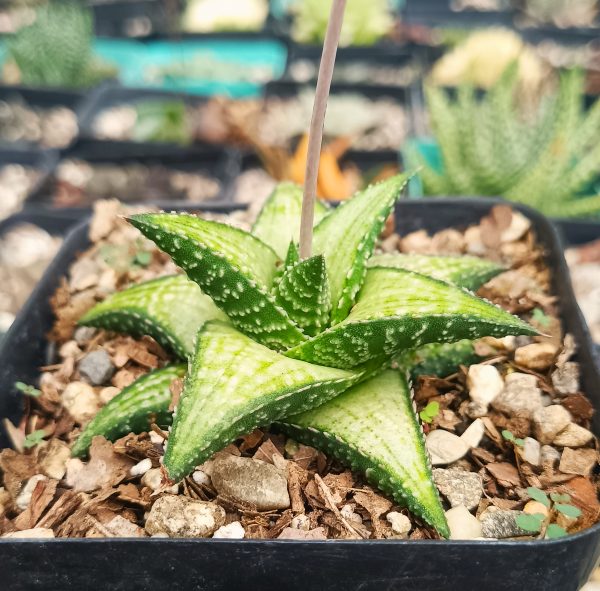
(170, 309)
(231, 266)
(303, 293)
(373, 428)
(438, 359)
(291, 258)
(235, 385)
(399, 310)
(346, 237)
(130, 410)
(278, 222)
(464, 271)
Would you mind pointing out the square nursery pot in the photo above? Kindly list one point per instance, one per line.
(275, 565)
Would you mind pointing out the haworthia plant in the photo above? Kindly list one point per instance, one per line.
(300, 333)
(373, 428)
(147, 308)
(147, 398)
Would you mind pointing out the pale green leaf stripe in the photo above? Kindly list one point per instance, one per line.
(170, 309)
(399, 309)
(303, 293)
(237, 278)
(464, 271)
(129, 411)
(235, 385)
(346, 237)
(278, 222)
(373, 428)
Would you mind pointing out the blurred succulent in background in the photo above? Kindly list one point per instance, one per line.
(205, 16)
(365, 23)
(56, 50)
(548, 158)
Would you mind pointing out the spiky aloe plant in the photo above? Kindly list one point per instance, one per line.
(299, 342)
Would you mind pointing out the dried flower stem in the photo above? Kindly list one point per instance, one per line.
(315, 137)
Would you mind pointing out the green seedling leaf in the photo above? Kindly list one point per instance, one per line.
(508, 435)
(170, 309)
(143, 258)
(303, 292)
(133, 409)
(346, 238)
(464, 271)
(231, 266)
(568, 510)
(530, 521)
(278, 222)
(438, 359)
(235, 385)
(538, 495)
(373, 428)
(555, 531)
(27, 389)
(560, 498)
(34, 438)
(430, 412)
(518, 441)
(540, 317)
(397, 310)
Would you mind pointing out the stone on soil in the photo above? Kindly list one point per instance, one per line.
(501, 524)
(400, 523)
(53, 457)
(96, 367)
(549, 455)
(463, 525)
(231, 531)
(24, 497)
(181, 517)
(520, 394)
(484, 383)
(573, 435)
(474, 433)
(565, 378)
(549, 421)
(531, 451)
(459, 487)
(80, 401)
(578, 461)
(533, 507)
(445, 447)
(537, 356)
(251, 482)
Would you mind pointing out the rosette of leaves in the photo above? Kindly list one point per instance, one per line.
(307, 344)
(548, 158)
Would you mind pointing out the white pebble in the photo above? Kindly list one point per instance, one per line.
(141, 467)
(200, 477)
(231, 531)
(301, 522)
(485, 383)
(463, 525)
(24, 497)
(400, 523)
(474, 433)
(445, 447)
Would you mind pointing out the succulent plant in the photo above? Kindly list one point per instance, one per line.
(307, 344)
(548, 159)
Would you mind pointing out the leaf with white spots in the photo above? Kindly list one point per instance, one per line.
(303, 292)
(145, 401)
(231, 266)
(278, 222)
(373, 428)
(235, 385)
(346, 237)
(397, 310)
(464, 271)
(147, 309)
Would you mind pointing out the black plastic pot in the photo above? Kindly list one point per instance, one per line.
(219, 163)
(577, 232)
(130, 18)
(44, 98)
(232, 565)
(439, 13)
